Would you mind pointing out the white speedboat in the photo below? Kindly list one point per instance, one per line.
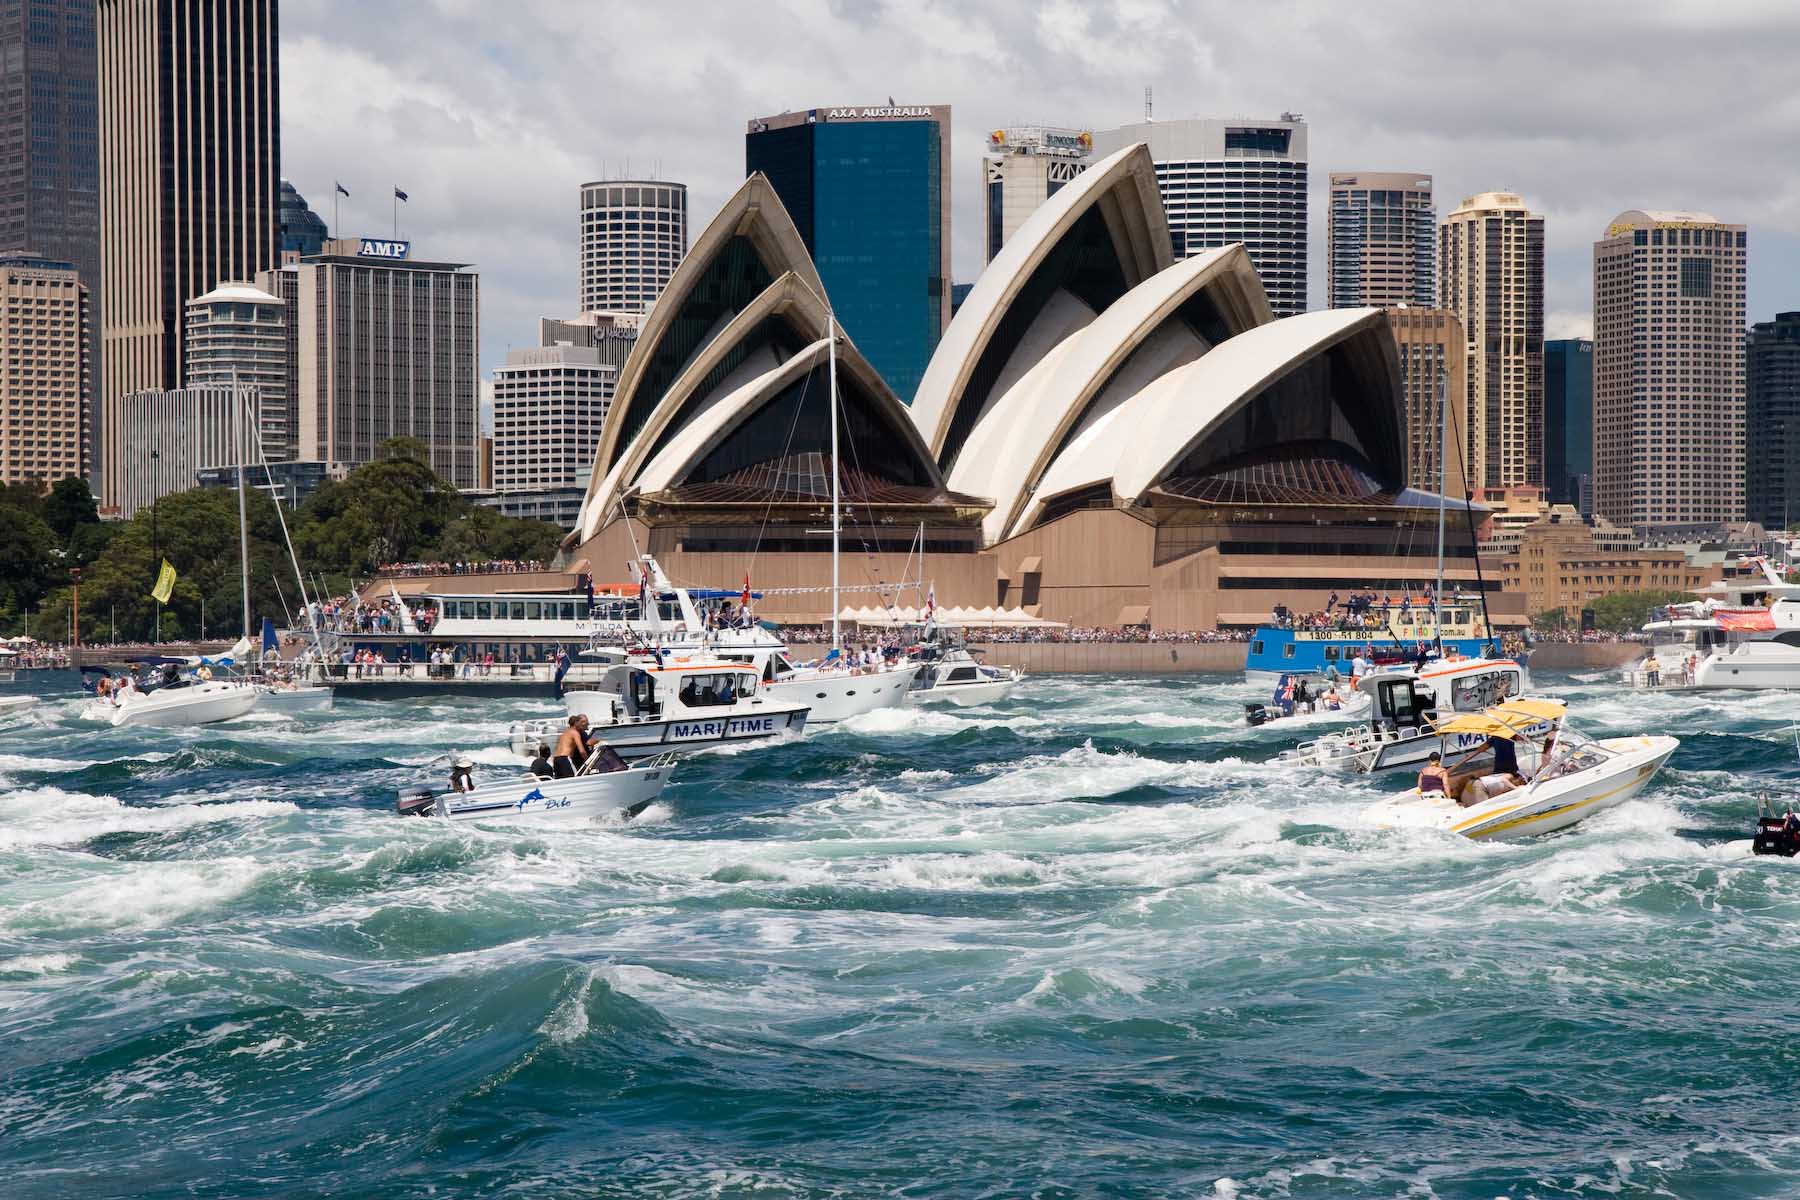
(1576, 779)
(1400, 730)
(1330, 707)
(173, 705)
(957, 677)
(14, 705)
(640, 710)
(588, 796)
(834, 691)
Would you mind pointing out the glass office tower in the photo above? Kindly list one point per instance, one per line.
(868, 190)
(1569, 421)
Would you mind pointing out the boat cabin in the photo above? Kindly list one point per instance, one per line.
(1407, 701)
(643, 692)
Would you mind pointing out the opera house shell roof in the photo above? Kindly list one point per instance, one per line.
(1086, 367)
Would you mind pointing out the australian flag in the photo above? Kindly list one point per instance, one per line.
(562, 669)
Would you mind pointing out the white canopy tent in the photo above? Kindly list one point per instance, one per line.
(950, 618)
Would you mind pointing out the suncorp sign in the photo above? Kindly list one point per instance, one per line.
(376, 248)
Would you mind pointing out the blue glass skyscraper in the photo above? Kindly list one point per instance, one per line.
(870, 192)
(1569, 420)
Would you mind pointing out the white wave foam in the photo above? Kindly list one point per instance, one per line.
(37, 964)
(138, 895)
(50, 816)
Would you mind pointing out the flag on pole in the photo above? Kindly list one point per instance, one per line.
(165, 583)
(341, 189)
(745, 598)
(931, 602)
(400, 195)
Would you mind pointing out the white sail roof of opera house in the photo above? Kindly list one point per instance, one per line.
(746, 275)
(684, 455)
(1171, 319)
(1102, 234)
(1324, 384)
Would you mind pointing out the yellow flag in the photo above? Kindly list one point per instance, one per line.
(165, 583)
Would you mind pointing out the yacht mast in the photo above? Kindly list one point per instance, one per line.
(837, 524)
(1443, 493)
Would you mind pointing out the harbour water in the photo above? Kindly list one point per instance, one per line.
(1088, 942)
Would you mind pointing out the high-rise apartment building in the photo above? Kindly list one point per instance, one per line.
(284, 284)
(1669, 370)
(1491, 275)
(173, 435)
(1432, 351)
(1023, 167)
(303, 231)
(869, 190)
(1381, 246)
(389, 347)
(633, 234)
(1237, 180)
(549, 405)
(1772, 413)
(50, 149)
(1569, 422)
(237, 336)
(45, 366)
(190, 150)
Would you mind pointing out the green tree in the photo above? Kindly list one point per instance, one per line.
(69, 506)
(29, 559)
(484, 534)
(1624, 612)
(395, 509)
(1550, 619)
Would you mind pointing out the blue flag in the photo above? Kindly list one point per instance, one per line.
(270, 641)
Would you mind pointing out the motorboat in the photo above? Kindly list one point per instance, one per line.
(956, 676)
(1400, 729)
(1291, 708)
(181, 703)
(1738, 633)
(642, 709)
(1568, 777)
(595, 792)
(15, 705)
(293, 699)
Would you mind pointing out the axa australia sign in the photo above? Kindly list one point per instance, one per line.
(878, 113)
(382, 248)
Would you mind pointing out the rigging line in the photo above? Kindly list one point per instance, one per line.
(872, 576)
(786, 445)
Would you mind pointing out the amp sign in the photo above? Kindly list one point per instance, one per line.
(376, 248)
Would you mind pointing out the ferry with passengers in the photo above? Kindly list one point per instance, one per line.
(1382, 632)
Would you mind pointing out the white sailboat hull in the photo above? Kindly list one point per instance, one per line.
(17, 704)
(1539, 808)
(291, 701)
(840, 695)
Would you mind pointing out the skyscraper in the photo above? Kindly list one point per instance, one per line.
(1432, 351)
(303, 231)
(1491, 275)
(190, 149)
(633, 234)
(1024, 167)
(44, 372)
(1382, 241)
(1772, 410)
(1669, 370)
(869, 190)
(237, 336)
(1237, 180)
(549, 405)
(388, 348)
(49, 149)
(1569, 422)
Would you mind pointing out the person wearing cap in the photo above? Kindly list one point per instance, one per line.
(461, 777)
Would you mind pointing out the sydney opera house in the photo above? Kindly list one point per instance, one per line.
(1104, 435)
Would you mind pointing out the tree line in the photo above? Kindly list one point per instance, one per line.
(393, 509)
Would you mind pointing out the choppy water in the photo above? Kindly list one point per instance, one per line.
(1085, 943)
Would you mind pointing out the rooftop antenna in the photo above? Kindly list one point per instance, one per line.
(1147, 117)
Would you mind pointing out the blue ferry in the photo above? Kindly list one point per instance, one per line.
(1383, 634)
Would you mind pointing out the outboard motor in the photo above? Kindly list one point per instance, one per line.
(1257, 714)
(416, 802)
(1776, 834)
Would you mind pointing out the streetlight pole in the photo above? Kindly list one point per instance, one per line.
(155, 545)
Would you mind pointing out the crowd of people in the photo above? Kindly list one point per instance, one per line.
(345, 614)
(29, 655)
(493, 566)
(1359, 611)
(1017, 635)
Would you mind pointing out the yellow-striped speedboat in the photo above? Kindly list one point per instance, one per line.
(1568, 777)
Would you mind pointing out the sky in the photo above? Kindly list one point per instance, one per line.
(490, 116)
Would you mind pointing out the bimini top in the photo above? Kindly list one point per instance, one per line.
(1171, 319)
(1099, 236)
(1321, 388)
(1509, 721)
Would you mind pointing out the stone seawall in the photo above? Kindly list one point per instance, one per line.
(1158, 658)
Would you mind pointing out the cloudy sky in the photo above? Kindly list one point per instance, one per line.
(491, 115)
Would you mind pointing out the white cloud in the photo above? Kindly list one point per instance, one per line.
(491, 116)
